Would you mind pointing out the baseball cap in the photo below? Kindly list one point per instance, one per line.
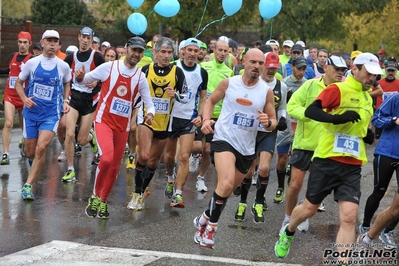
(191, 41)
(370, 62)
(37, 46)
(71, 49)
(354, 54)
(181, 44)
(336, 61)
(50, 34)
(272, 60)
(381, 51)
(25, 35)
(297, 48)
(299, 61)
(347, 56)
(301, 43)
(87, 31)
(273, 42)
(135, 42)
(107, 44)
(391, 65)
(203, 45)
(288, 43)
(96, 39)
(223, 38)
(259, 42)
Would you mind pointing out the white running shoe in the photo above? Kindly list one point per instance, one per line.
(201, 185)
(61, 157)
(193, 163)
(304, 226)
(136, 203)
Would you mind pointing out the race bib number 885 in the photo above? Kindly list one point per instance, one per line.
(243, 122)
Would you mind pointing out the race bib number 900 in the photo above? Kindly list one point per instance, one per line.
(120, 107)
(347, 144)
(43, 92)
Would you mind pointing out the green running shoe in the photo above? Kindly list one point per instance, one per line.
(282, 247)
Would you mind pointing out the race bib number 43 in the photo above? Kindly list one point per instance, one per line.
(347, 144)
(43, 92)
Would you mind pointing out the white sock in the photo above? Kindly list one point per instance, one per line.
(178, 192)
(287, 218)
(71, 168)
(171, 178)
(367, 239)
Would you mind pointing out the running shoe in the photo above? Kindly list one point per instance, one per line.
(27, 192)
(304, 226)
(240, 213)
(193, 163)
(237, 191)
(362, 229)
(199, 230)
(265, 208)
(20, 144)
(92, 206)
(388, 239)
(279, 198)
(136, 203)
(208, 239)
(93, 141)
(147, 192)
(78, 149)
(96, 159)
(62, 156)
(177, 202)
(255, 178)
(200, 185)
(69, 176)
(21, 149)
(322, 207)
(5, 160)
(169, 189)
(257, 211)
(282, 247)
(103, 211)
(130, 162)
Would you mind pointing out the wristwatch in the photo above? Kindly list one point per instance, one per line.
(394, 120)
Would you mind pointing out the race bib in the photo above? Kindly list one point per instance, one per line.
(120, 107)
(388, 94)
(43, 92)
(347, 144)
(161, 105)
(12, 82)
(243, 121)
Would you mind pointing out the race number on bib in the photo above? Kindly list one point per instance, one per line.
(12, 82)
(120, 107)
(161, 105)
(43, 92)
(243, 121)
(347, 144)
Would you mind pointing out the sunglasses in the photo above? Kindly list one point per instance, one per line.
(340, 69)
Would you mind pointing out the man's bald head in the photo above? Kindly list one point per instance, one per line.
(253, 62)
(221, 51)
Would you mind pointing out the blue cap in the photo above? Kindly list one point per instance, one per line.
(193, 42)
(87, 31)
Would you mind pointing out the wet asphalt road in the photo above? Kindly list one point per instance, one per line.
(58, 214)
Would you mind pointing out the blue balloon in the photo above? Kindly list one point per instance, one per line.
(231, 7)
(135, 3)
(167, 8)
(269, 8)
(137, 23)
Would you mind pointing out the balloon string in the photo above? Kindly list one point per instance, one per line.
(271, 29)
(210, 23)
(152, 11)
(202, 18)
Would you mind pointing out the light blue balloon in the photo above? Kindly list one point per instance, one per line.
(137, 23)
(231, 7)
(269, 8)
(135, 3)
(167, 8)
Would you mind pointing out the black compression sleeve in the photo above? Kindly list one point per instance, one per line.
(315, 112)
